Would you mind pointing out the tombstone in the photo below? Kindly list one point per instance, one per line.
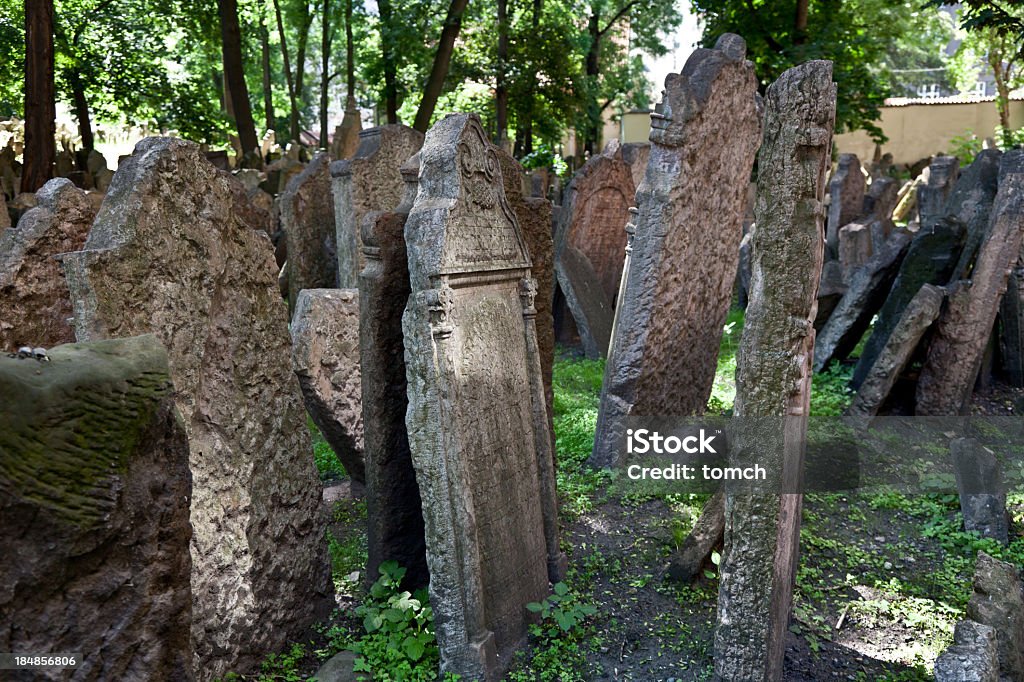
(864, 295)
(979, 482)
(773, 376)
(5, 217)
(636, 155)
(369, 181)
(998, 601)
(477, 420)
(96, 529)
(279, 174)
(101, 181)
(219, 159)
(63, 164)
(917, 317)
(95, 161)
(534, 217)
(204, 283)
(971, 201)
(856, 246)
(346, 135)
(325, 358)
(879, 203)
(35, 306)
(21, 204)
(973, 657)
(307, 218)
(932, 196)
(962, 332)
(846, 198)
(686, 247)
(830, 292)
(394, 511)
(585, 304)
(1011, 330)
(907, 203)
(250, 177)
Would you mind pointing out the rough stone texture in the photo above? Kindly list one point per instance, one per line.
(325, 358)
(477, 418)
(1011, 331)
(394, 511)
(369, 181)
(585, 301)
(971, 202)
(958, 345)
(830, 292)
(279, 174)
(636, 154)
(346, 136)
(685, 251)
(864, 296)
(846, 198)
(973, 656)
(307, 218)
(5, 217)
(979, 481)
(856, 246)
(35, 307)
(534, 217)
(94, 490)
(773, 375)
(169, 254)
(880, 201)
(917, 317)
(932, 196)
(998, 601)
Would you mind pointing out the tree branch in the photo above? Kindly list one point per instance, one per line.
(621, 13)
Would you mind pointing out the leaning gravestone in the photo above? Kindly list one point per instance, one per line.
(169, 254)
(846, 198)
(998, 601)
(971, 201)
(307, 218)
(773, 376)
(979, 482)
(325, 357)
(394, 511)
(477, 419)
(35, 308)
(369, 181)
(94, 494)
(932, 196)
(1011, 333)
(958, 345)
(685, 252)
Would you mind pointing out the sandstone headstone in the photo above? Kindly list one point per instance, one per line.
(346, 135)
(35, 307)
(586, 304)
(879, 203)
(684, 255)
(773, 376)
(477, 418)
(962, 332)
(369, 181)
(998, 601)
(846, 197)
(94, 494)
(917, 317)
(325, 357)
(864, 296)
(307, 218)
(830, 292)
(973, 657)
(279, 174)
(636, 155)
(394, 512)
(932, 196)
(979, 481)
(856, 246)
(169, 254)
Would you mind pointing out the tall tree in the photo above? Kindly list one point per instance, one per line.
(40, 101)
(501, 85)
(442, 61)
(268, 93)
(325, 64)
(292, 94)
(234, 75)
(387, 50)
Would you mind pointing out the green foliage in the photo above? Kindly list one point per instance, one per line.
(560, 612)
(830, 391)
(328, 465)
(723, 391)
(545, 157)
(559, 652)
(283, 666)
(965, 147)
(399, 643)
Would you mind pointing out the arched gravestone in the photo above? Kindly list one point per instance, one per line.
(477, 416)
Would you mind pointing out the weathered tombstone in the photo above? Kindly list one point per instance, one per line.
(325, 358)
(477, 419)
(636, 155)
(685, 250)
(958, 345)
(307, 218)
(879, 203)
(971, 201)
(369, 181)
(998, 601)
(394, 511)
(846, 198)
(1011, 331)
(96, 527)
(773, 376)
(204, 283)
(917, 317)
(974, 656)
(346, 135)
(856, 246)
(979, 482)
(864, 295)
(830, 291)
(35, 307)
(585, 304)
(279, 174)
(932, 196)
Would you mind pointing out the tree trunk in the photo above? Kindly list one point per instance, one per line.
(350, 61)
(593, 71)
(40, 107)
(442, 60)
(388, 57)
(234, 74)
(325, 63)
(268, 94)
(526, 125)
(81, 110)
(294, 106)
(501, 88)
(300, 71)
(800, 22)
